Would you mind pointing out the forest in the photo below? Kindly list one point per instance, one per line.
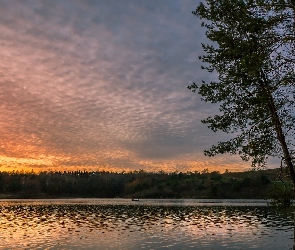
(260, 184)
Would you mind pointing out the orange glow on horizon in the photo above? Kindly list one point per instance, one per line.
(37, 158)
(52, 163)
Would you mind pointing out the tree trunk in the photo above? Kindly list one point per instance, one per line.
(280, 135)
(294, 231)
(286, 152)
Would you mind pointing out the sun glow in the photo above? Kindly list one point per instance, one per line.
(113, 161)
(26, 163)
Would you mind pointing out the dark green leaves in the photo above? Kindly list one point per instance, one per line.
(253, 55)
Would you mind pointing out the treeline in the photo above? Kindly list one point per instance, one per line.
(137, 184)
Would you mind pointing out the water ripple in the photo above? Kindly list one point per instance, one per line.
(57, 226)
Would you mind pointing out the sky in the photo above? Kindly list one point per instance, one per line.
(102, 85)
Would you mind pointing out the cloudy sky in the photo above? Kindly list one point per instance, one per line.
(101, 85)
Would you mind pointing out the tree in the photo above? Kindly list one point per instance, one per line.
(252, 50)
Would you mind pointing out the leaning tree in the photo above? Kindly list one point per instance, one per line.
(252, 52)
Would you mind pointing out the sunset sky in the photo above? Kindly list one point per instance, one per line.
(101, 85)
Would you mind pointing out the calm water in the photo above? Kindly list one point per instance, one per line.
(144, 224)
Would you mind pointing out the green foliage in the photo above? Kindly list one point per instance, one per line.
(252, 52)
(281, 194)
(252, 184)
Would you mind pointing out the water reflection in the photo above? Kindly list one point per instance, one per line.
(81, 226)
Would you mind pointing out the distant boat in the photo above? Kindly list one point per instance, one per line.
(135, 199)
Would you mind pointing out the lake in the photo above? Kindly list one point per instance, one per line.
(144, 224)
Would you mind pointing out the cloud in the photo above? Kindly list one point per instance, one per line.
(102, 84)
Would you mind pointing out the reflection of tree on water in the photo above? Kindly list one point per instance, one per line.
(119, 215)
(69, 224)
